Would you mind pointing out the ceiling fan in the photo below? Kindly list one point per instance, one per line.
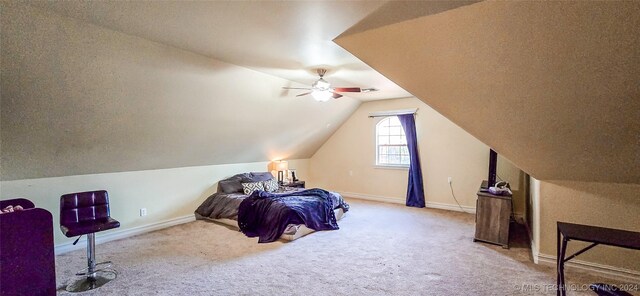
(322, 91)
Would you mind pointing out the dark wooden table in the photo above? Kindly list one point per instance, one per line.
(295, 184)
(594, 235)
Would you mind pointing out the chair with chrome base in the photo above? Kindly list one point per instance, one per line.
(88, 213)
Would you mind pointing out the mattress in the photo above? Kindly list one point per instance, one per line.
(222, 207)
(292, 232)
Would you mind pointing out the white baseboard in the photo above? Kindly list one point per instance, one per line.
(373, 197)
(398, 200)
(605, 270)
(123, 233)
(535, 253)
(450, 207)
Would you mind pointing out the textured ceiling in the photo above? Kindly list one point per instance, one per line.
(81, 99)
(552, 86)
(288, 39)
(112, 86)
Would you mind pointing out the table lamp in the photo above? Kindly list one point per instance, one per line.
(281, 166)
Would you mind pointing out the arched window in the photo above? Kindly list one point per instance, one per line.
(391, 143)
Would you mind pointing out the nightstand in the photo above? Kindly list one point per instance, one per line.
(493, 215)
(296, 184)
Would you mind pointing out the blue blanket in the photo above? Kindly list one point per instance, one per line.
(266, 215)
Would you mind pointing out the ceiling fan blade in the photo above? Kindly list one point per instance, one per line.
(304, 94)
(285, 87)
(347, 89)
(337, 95)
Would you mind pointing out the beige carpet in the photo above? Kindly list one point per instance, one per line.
(381, 249)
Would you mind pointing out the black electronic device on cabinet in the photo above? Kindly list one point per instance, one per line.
(493, 161)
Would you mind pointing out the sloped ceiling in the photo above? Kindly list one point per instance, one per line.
(78, 98)
(111, 86)
(552, 86)
(287, 39)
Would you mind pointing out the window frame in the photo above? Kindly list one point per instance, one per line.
(377, 164)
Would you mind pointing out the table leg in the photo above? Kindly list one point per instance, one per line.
(558, 260)
(563, 252)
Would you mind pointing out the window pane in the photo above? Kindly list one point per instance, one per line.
(393, 120)
(391, 142)
(395, 130)
(383, 130)
(396, 140)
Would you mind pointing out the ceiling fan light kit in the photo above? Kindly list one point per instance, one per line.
(322, 91)
(322, 95)
(321, 84)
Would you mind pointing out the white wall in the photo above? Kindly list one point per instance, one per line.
(346, 161)
(166, 193)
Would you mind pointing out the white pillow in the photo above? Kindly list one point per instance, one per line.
(249, 188)
(270, 185)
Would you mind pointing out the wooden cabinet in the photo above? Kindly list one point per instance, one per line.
(493, 214)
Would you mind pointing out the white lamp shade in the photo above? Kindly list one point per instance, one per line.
(321, 84)
(282, 165)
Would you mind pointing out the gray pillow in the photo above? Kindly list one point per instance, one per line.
(233, 184)
(258, 176)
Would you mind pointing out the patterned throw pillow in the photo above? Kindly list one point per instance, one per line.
(270, 186)
(249, 188)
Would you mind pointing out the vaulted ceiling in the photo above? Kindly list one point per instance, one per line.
(552, 86)
(112, 86)
(79, 99)
(287, 39)
(107, 86)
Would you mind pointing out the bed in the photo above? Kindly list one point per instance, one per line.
(226, 205)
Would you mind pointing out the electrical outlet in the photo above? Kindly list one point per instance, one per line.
(449, 180)
(143, 212)
(350, 173)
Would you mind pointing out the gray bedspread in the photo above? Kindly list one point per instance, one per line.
(225, 205)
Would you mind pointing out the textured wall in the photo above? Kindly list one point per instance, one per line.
(552, 86)
(81, 99)
(445, 150)
(600, 204)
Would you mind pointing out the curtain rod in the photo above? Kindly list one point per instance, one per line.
(393, 112)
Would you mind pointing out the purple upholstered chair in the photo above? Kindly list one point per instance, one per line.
(27, 260)
(88, 213)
